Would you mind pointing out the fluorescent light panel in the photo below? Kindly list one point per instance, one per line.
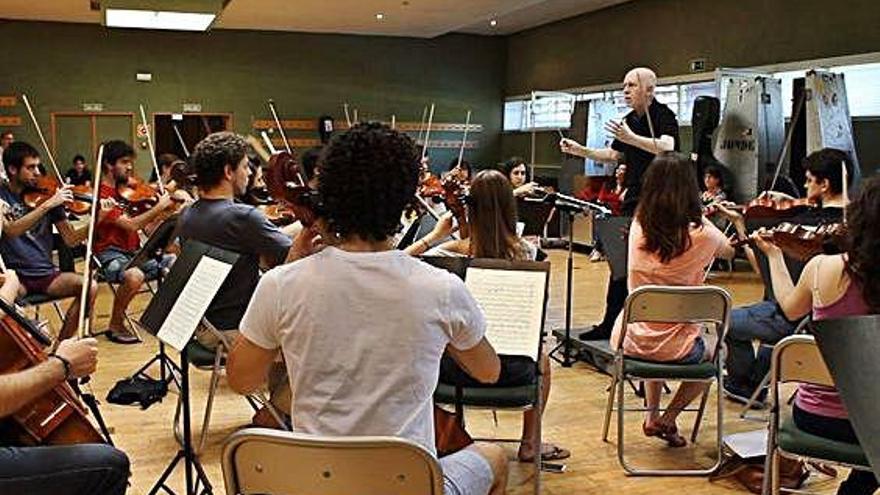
(153, 19)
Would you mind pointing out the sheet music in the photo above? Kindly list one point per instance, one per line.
(513, 302)
(193, 301)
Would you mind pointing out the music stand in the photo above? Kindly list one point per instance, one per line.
(153, 319)
(570, 206)
(154, 249)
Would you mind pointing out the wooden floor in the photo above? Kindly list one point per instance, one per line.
(573, 418)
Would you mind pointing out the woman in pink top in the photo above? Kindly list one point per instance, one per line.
(670, 243)
(833, 286)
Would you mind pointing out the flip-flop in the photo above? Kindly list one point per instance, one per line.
(555, 453)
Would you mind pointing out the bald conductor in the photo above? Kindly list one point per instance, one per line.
(637, 139)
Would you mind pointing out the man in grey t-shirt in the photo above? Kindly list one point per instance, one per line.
(216, 219)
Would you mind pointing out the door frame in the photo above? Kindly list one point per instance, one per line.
(93, 120)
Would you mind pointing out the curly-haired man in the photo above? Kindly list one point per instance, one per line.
(363, 326)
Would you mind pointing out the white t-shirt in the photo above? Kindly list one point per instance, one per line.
(362, 335)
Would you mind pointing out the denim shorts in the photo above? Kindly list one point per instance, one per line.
(113, 262)
(466, 473)
(697, 353)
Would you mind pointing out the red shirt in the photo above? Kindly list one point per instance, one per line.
(107, 233)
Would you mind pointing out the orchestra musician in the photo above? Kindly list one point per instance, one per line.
(515, 171)
(670, 243)
(222, 172)
(78, 174)
(765, 321)
(492, 219)
(27, 242)
(117, 239)
(368, 367)
(648, 129)
(833, 286)
(80, 469)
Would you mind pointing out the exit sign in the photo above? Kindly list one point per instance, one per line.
(192, 107)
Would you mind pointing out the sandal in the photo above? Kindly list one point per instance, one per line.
(669, 433)
(554, 453)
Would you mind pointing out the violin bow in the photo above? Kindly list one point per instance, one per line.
(180, 140)
(49, 154)
(152, 150)
(422, 123)
(87, 275)
(428, 132)
(274, 112)
(467, 125)
(347, 116)
(648, 110)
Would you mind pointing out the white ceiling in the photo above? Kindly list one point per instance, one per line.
(417, 18)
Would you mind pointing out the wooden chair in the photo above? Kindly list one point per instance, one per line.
(265, 461)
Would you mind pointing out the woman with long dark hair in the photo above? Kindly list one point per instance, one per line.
(834, 286)
(670, 243)
(491, 214)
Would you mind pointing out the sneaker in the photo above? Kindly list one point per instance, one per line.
(741, 394)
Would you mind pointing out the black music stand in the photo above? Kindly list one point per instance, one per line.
(570, 206)
(154, 249)
(153, 318)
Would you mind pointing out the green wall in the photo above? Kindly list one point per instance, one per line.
(599, 47)
(61, 66)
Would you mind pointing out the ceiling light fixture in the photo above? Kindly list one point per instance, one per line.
(493, 22)
(380, 16)
(157, 19)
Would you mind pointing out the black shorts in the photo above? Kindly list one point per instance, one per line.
(515, 371)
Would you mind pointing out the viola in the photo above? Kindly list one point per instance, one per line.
(766, 207)
(802, 242)
(47, 186)
(138, 198)
(455, 194)
(278, 214)
(55, 418)
(287, 183)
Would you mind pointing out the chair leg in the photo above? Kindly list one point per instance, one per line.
(744, 414)
(212, 390)
(700, 411)
(540, 434)
(609, 407)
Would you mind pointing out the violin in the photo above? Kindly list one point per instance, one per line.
(803, 242)
(286, 182)
(766, 207)
(137, 196)
(455, 194)
(55, 418)
(47, 186)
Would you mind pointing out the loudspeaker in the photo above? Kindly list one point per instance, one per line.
(704, 121)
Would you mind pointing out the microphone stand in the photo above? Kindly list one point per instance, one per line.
(571, 206)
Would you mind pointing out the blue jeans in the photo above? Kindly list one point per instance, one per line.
(63, 470)
(113, 262)
(763, 322)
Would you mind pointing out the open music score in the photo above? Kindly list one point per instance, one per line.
(193, 301)
(513, 302)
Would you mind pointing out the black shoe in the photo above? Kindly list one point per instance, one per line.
(596, 332)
